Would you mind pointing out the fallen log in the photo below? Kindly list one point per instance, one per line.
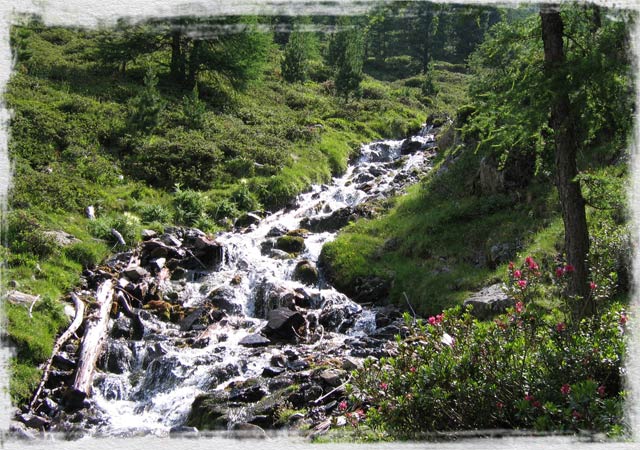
(64, 337)
(20, 298)
(96, 321)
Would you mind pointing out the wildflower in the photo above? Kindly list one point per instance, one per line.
(432, 320)
(536, 404)
(569, 268)
(412, 369)
(522, 284)
(592, 285)
(384, 386)
(623, 319)
(528, 397)
(565, 389)
(360, 412)
(517, 274)
(499, 405)
(510, 265)
(560, 327)
(342, 405)
(602, 390)
(519, 306)
(531, 263)
(439, 318)
(559, 272)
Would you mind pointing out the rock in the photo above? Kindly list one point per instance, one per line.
(148, 234)
(254, 340)
(298, 365)
(277, 231)
(33, 421)
(135, 273)
(371, 289)
(290, 244)
(63, 362)
(187, 323)
(247, 431)
(61, 238)
(18, 430)
(306, 272)
(489, 301)
(270, 372)
(183, 432)
(250, 394)
(333, 377)
(170, 239)
(490, 180)
(209, 411)
(299, 232)
(246, 220)
(279, 254)
(179, 273)
(410, 146)
(284, 324)
(223, 298)
(350, 364)
(208, 252)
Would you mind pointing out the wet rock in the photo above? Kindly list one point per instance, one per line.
(170, 240)
(306, 272)
(246, 220)
(290, 244)
(247, 431)
(254, 340)
(298, 365)
(277, 231)
(371, 289)
(209, 412)
(179, 273)
(183, 431)
(270, 372)
(279, 254)
(34, 421)
(222, 374)
(250, 394)
(267, 246)
(488, 302)
(363, 178)
(207, 251)
(223, 298)
(17, 430)
(298, 232)
(284, 324)
(410, 146)
(63, 362)
(187, 323)
(116, 357)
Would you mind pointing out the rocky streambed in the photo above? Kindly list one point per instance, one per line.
(238, 331)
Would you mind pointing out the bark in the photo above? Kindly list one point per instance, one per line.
(177, 66)
(94, 335)
(64, 337)
(571, 200)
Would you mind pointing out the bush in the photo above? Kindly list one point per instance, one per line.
(525, 369)
(190, 206)
(126, 224)
(88, 255)
(155, 213)
(25, 235)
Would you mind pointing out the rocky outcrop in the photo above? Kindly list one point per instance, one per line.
(488, 302)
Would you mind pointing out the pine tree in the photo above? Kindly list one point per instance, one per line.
(346, 55)
(147, 105)
(295, 61)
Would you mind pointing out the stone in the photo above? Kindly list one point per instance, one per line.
(170, 240)
(135, 273)
(61, 238)
(333, 377)
(247, 431)
(270, 371)
(254, 340)
(279, 254)
(284, 324)
(222, 298)
(277, 231)
(33, 421)
(209, 412)
(489, 301)
(183, 432)
(247, 220)
(290, 244)
(148, 234)
(409, 146)
(350, 364)
(306, 272)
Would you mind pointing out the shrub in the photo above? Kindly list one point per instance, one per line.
(25, 235)
(190, 206)
(155, 213)
(126, 224)
(88, 255)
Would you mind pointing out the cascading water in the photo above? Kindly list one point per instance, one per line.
(149, 385)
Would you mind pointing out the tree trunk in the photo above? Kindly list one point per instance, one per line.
(95, 329)
(64, 337)
(194, 63)
(561, 121)
(177, 66)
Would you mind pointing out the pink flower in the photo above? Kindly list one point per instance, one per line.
(565, 389)
(412, 369)
(528, 397)
(342, 405)
(519, 305)
(528, 261)
(510, 265)
(517, 274)
(559, 272)
(499, 405)
(623, 319)
(439, 318)
(432, 320)
(602, 390)
(384, 386)
(592, 285)
(536, 404)
(522, 284)
(569, 268)
(360, 412)
(560, 327)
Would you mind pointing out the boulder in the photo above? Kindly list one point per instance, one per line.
(223, 298)
(209, 411)
(284, 324)
(254, 340)
(410, 146)
(290, 244)
(246, 220)
(135, 273)
(306, 272)
(61, 238)
(488, 302)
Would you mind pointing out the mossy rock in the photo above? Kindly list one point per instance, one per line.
(306, 272)
(290, 244)
(299, 232)
(210, 411)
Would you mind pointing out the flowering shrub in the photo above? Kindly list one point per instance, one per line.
(522, 370)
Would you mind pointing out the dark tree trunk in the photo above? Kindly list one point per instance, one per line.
(572, 203)
(177, 58)
(194, 63)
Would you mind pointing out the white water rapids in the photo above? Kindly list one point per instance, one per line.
(156, 379)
